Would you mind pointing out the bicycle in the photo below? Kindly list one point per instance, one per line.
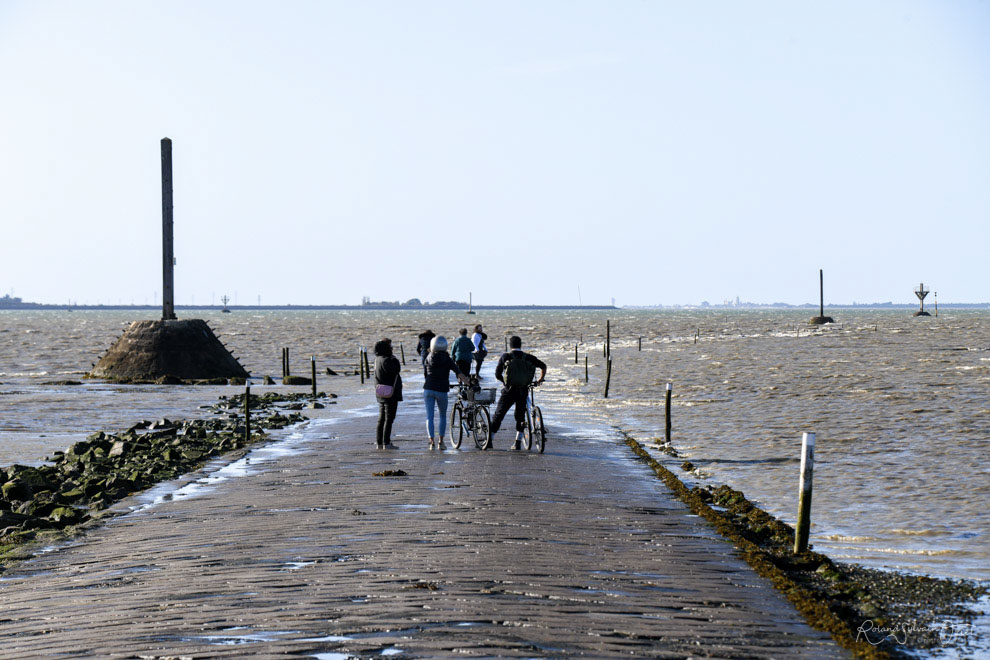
(470, 415)
(535, 429)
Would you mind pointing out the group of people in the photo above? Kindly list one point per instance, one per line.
(515, 370)
(464, 351)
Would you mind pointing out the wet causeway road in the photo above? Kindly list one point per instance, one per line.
(579, 551)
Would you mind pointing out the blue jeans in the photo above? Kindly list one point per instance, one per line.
(434, 399)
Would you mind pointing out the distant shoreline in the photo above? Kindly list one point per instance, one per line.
(28, 306)
(25, 306)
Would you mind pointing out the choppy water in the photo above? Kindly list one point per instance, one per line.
(901, 405)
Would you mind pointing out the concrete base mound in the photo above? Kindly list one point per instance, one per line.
(167, 351)
(922, 314)
(821, 320)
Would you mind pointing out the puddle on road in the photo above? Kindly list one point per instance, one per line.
(240, 638)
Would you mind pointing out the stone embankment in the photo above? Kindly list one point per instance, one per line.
(106, 467)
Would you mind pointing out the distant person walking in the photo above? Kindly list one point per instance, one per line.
(480, 348)
(388, 390)
(423, 348)
(436, 385)
(462, 350)
(515, 370)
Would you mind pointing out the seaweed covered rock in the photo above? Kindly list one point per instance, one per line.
(106, 467)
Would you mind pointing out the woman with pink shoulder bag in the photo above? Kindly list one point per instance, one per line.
(388, 390)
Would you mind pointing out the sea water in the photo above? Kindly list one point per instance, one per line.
(900, 405)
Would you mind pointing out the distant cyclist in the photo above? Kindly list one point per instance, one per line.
(515, 370)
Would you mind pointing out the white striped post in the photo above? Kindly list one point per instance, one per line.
(804, 496)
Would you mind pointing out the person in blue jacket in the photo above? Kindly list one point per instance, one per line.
(462, 350)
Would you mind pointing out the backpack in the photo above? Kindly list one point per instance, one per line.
(519, 371)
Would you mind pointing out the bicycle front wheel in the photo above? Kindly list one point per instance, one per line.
(539, 431)
(456, 425)
(482, 427)
(527, 438)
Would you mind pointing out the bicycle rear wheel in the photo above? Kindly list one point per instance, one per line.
(539, 430)
(482, 427)
(527, 439)
(456, 425)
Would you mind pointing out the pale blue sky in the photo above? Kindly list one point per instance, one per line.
(657, 152)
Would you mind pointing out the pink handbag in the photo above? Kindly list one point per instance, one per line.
(386, 391)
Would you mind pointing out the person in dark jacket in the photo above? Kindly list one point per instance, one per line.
(423, 347)
(462, 351)
(436, 385)
(514, 394)
(387, 370)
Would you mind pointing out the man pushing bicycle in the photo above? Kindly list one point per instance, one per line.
(515, 370)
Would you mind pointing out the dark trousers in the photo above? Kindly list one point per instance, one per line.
(478, 359)
(464, 366)
(386, 415)
(511, 396)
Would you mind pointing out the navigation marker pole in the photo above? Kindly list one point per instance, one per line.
(168, 255)
(804, 496)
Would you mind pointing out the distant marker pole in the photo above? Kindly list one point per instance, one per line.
(586, 368)
(288, 368)
(804, 495)
(313, 365)
(666, 414)
(575, 354)
(608, 338)
(608, 375)
(403, 352)
(641, 342)
(247, 413)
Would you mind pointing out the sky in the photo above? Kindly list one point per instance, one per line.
(527, 152)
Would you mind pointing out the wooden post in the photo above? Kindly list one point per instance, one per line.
(247, 413)
(586, 368)
(367, 368)
(506, 343)
(313, 364)
(283, 362)
(575, 354)
(168, 255)
(361, 363)
(666, 414)
(696, 333)
(608, 375)
(804, 493)
(288, 369)
(403, 352)
(608, 338)
(641, 342)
